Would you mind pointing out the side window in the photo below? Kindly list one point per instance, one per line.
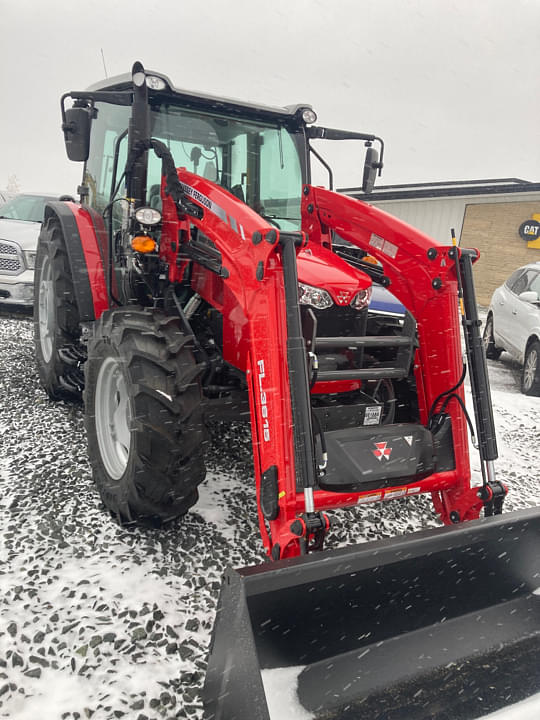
(535, 284)
(519, 284)
(513, 277)
(111, 122)
(104, 185)
(524, 281)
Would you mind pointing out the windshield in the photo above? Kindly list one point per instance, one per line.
(257, 162)
(25, 207)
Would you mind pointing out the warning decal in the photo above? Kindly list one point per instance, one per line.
(383, 245)
(395, 493)
(372, 497)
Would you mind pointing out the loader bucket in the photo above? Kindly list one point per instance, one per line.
(442, 624)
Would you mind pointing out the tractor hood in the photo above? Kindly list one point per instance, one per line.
(322, 268)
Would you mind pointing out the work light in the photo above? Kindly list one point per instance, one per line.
(147, 216)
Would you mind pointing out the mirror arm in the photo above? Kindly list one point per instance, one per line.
(63, 108)
(323, 133)
(324, 164)
(380, 164)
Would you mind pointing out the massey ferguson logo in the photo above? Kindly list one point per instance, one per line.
(382, 451)
(343, 297)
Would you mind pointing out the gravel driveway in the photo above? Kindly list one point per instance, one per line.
(108, 622)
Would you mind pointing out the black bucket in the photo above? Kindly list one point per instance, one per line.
(438, 625)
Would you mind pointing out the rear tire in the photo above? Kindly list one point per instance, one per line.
(530, 379)
(143, 415)
(492, 352)
(56, 316)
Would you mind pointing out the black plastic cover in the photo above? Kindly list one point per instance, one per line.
(365, 458)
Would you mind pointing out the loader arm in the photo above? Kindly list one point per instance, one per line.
(250, 284)
(247, 280)
(421, 273)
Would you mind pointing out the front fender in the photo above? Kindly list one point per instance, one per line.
(85, 238)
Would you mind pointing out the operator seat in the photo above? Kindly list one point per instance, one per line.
(238, 192)
(154, 197)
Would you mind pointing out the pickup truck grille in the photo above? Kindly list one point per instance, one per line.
(11, 261)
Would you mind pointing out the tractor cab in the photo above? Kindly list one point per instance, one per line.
(259, 161)
(260, 154)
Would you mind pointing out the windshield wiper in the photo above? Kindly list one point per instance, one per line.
(280, 217)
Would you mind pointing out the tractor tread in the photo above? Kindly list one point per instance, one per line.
(165, 463)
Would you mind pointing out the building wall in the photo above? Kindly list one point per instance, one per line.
(489, 223)
(493, 229)
(433, 216)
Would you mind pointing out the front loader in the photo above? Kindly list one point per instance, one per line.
(203, 277)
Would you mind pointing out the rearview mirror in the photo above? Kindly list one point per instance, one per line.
(529, 296)
(77, 133)
(371, 166)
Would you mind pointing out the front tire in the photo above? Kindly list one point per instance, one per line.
(56, 316)
(530, 379)
(143, 414)
(492, 352)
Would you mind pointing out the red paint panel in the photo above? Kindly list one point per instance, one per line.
(92, 255)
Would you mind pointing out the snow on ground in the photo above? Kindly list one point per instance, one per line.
(527, 710)
(103, 621)
(280, 688)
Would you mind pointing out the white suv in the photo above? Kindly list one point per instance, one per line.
(513, 324)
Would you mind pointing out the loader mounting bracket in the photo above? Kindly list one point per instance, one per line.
(311, 529)
(493, 495)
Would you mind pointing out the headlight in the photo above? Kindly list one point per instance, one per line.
(147, 216)
(309, 116)
(361, 299)
(30, 258)
(155, 83)
(316, 297)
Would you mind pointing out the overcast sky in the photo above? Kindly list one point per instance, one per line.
(451, 85)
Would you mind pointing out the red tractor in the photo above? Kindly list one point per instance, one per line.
(202, 276)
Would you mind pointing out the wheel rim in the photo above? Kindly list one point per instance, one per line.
(46, 310)
(113, 417)
(530, 368)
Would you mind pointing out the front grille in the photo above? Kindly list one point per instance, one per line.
(6, 249)
(10, 265)
(11, 261)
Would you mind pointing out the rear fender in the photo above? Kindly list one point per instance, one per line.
(87, 248)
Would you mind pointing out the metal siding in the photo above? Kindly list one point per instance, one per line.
(436, 216)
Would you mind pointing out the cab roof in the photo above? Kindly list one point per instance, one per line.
(200, 100)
